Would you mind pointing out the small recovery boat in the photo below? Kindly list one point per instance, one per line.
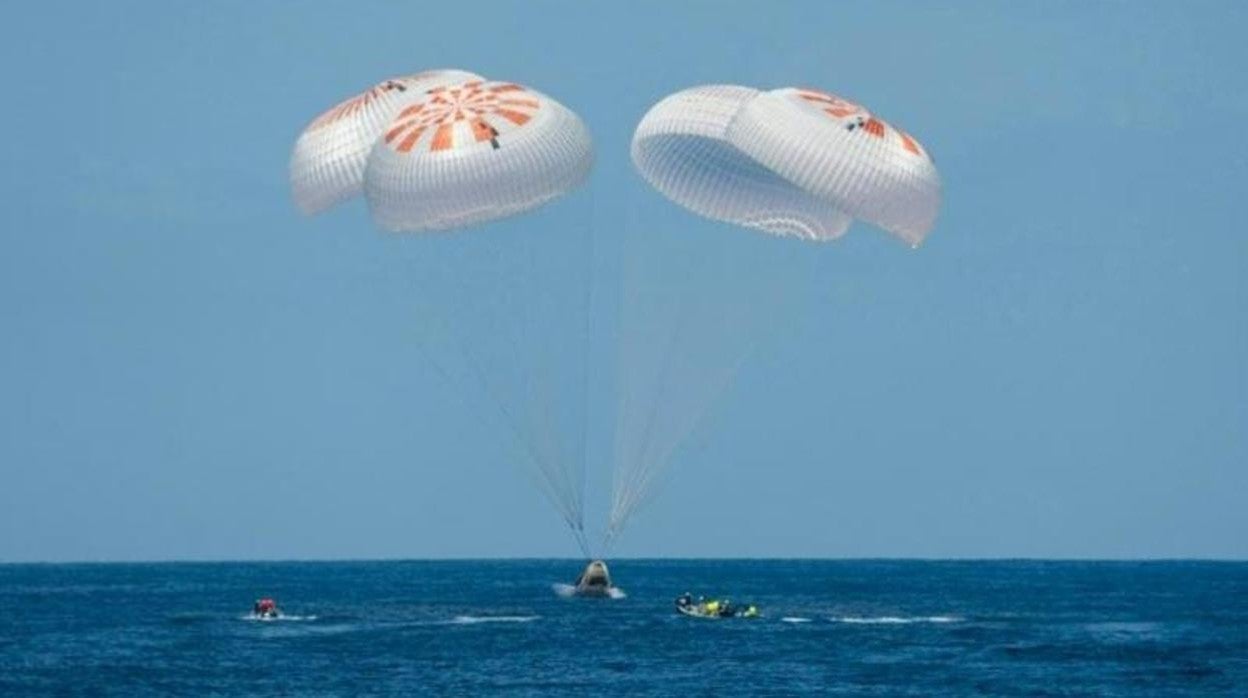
(714, 608)
(266, 609)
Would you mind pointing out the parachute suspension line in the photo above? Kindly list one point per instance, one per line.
(646, 490)
(542, 405)
(623, 498)
(582, 449)
(548, 481)
(534, 379)
(694, 380)
(626, 384)
(633, 468)
(718, 385)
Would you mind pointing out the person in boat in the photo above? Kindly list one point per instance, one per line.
(265, 608)
(714, 608)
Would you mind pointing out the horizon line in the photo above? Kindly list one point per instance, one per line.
(627, 558)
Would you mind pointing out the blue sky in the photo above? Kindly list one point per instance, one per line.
(190, 369)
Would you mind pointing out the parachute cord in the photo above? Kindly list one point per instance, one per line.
(548, 483)
(645, 491)
(532, 379)
(772, 291)
(582, 542)
(625, 385)
(704, 392)
(583, 447)
(624, 504)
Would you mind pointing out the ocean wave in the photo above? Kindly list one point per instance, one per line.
(794, 619)
(472, 620)
(894, 620)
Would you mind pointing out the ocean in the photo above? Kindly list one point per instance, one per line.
(865, 627)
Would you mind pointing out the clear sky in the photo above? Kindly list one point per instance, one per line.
(190, 369)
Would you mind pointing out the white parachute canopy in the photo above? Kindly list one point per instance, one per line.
(789, 161)
(447, 149)
(327, 165)
(681, 149)
(441, 150)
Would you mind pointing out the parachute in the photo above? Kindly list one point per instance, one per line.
(790, 162)
(442, 162)
(447, 149)
(327, 165)
(681, 148)
(427, 151)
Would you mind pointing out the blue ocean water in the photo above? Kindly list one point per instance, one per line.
(485, 627)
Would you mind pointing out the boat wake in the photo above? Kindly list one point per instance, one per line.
(284, 618)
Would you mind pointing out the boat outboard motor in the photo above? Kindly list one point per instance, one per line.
(595, 580)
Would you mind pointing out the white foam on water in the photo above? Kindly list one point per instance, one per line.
(794, 619)
(284, 618)
(894, 620)
(568, 591)
(472, 620)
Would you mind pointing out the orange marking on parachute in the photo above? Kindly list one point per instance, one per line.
(839, 108)
(817, 97)
(412, 110)
(514, 117)
(394, 132)
(531, 103)
(908, 143)
(406, 145)
(442, 138)
(482, 130)
(875, 127)
(512, 87)
(473, 84)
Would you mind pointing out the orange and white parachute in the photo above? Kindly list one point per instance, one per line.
(471, 152)
(788, 161)
(441, 149)
(327, 165)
